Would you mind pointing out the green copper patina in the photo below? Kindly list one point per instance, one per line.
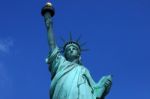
(69, 78)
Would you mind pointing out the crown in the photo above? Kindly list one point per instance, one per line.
(75, 43)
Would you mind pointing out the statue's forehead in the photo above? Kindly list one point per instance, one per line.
(72, 45)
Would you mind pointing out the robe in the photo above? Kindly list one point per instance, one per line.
(71, 80)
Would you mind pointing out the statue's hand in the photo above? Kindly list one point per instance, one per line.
(102, 88)
(107, 83)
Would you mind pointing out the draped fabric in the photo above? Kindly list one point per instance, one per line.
(69, 80)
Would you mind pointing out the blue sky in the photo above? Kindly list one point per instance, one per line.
(116, 31)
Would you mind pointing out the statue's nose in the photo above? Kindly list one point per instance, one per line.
(71, 51)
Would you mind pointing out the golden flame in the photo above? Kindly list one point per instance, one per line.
(49, 4)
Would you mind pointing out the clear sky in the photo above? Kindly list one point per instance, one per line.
(117, 33)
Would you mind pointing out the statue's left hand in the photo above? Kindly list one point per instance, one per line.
(107, 84)
(103, 87)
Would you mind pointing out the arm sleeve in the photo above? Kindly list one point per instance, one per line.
(55, 60)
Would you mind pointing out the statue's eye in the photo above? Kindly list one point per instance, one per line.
(68, 49)
(74, 48)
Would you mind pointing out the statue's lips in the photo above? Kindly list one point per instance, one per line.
(71, 55)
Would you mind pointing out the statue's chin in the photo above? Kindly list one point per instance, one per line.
(72, 58)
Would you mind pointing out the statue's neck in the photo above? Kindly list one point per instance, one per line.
(75, 61)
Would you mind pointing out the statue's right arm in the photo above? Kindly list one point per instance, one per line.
(49, 26)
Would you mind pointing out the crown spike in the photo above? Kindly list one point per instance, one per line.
(79, 38)
(70, 36)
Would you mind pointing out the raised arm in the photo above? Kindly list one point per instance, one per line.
(48, 13)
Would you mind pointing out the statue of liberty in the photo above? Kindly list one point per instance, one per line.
(69, 78)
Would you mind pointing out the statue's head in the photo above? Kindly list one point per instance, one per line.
(72, 51)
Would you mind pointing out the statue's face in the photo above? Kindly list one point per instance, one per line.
(72, 52)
